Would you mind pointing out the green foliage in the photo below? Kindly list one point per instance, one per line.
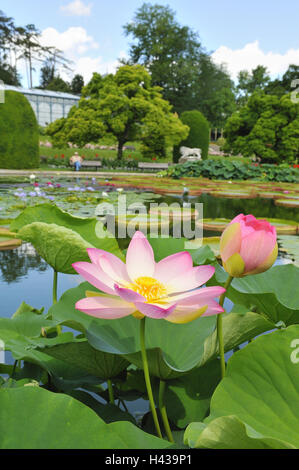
(230, 170)
(19, 135)
(169, 51)
(172, 349)
(58, 84)
(58, 246)
(57, 421)
(257, 80)
(177, 62)
(77, 84)
(88, 229)
(199, 134)
(267, 127)
(255, 405)
(124, 105)
(9, 75)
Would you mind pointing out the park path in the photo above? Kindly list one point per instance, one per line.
(71, 174)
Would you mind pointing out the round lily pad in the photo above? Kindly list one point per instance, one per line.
(216, 225)
(175, 212)
(143, 220)
(287, 227)
(8, 240)
(233, 194)
(287, 202)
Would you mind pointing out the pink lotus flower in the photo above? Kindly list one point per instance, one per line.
(141, 287)
(248, 246)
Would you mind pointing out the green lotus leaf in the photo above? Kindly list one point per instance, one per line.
(237, 329)
(179, 346)
(80, 354)
(188, 397)
(274, 293)
(108, 412)
(57, 421)
(59, 246)
(260, 393)
(90, 229)
(227, 432)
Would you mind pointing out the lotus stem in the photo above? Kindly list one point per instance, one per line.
(147, 377)
(55, 287)
(110, 391)
(55, 296)
(220, 328)
(163, 411)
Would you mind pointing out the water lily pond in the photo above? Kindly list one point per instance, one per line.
(147, 368)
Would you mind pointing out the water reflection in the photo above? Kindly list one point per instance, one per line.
(15, 264)
(25, 276)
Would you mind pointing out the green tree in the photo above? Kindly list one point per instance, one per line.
(124, 105)
(169, 51)
(248, 83)
(77, 84)
(267, 127)
(213, 93)
(8, 33)
(173, 55)
(58, 84)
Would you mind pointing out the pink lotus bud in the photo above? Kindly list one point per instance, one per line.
(248, 246)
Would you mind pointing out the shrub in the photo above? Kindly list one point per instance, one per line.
(154, 146)
(199, 134)
(19, 133)
(223, 170)
(267, 127)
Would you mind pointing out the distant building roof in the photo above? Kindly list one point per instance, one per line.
(38, 92)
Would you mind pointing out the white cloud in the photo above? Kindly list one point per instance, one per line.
(79, 47)
(251, 55)
(73, 41)
(76, 8)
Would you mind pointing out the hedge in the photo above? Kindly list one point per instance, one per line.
(19, 137)
(198, 137)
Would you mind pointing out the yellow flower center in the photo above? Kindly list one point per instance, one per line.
(149, 287)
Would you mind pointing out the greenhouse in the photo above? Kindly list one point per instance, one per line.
(47, 105)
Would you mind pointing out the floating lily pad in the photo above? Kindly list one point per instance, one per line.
(215, 225)
(290, 245)
(283, 226)
(143, 221)
(175, 212)
(8, 240)
(287, 202)
(233, 194)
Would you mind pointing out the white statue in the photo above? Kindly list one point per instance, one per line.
(189, 155)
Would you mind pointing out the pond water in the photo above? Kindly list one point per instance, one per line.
(24, 276)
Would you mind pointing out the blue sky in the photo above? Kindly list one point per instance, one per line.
(240, 34)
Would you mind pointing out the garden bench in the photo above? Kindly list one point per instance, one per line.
(152, 166)
(89, 164)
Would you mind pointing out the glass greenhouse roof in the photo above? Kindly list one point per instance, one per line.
(37, 92)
